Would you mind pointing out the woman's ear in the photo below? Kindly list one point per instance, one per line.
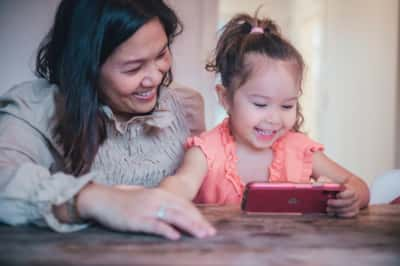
(223, 97)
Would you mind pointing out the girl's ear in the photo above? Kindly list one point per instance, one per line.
(223, 97)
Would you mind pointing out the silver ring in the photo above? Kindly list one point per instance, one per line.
(161, 212)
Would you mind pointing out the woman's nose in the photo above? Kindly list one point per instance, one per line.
(153, 76)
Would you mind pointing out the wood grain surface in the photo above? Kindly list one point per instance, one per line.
(373, 238)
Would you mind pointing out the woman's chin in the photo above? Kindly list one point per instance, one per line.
(143, 110)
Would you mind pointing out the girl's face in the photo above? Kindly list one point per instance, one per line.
(264, 107)
(131, 75)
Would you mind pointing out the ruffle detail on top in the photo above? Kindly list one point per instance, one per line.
(231, 161)
(293, 158)
(277, 165)
(196, 141)
(308, 156)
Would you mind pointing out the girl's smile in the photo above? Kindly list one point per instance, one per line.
(265, 135)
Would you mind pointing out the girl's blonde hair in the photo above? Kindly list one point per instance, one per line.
(237, 40)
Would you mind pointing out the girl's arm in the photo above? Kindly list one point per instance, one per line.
(189, 177)
(356, 193)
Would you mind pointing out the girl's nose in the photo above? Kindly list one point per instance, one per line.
(273, 117)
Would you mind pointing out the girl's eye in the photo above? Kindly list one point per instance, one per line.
(287, 107)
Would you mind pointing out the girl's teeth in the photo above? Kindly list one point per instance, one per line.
(265, 132)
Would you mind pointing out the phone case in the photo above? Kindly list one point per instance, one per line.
(288, 197)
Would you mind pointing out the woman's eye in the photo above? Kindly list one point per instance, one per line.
(163, 53)
(132, 70)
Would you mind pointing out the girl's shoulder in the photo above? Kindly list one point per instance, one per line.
(220, 133)
(298, 141)
(214, 141)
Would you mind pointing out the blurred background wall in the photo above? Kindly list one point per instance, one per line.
(351, 47)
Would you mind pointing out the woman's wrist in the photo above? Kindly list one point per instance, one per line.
(85, 199)
(73, 210)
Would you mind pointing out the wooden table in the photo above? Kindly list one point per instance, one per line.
(373, 238)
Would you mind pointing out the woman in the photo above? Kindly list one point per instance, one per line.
(99, 118)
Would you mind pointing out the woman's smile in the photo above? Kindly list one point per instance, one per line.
(146, 96)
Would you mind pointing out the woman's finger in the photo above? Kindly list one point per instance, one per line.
(191, 224)
(185, 216)
(154, 226)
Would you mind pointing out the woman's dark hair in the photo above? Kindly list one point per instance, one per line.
(85, 33)
(236, 41)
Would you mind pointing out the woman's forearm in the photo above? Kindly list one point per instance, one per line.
(178, 186)
(77, 209)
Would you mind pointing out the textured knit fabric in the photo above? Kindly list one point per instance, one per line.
(292, 162)
(139, 152)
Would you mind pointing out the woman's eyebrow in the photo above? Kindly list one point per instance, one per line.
(140, 60)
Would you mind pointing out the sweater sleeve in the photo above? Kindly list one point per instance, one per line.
(27, 188)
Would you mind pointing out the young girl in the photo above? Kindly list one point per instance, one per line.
(260, 140)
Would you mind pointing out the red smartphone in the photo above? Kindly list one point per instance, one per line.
(288, 197)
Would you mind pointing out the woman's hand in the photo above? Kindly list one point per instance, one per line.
(142, 210)
(346, 204)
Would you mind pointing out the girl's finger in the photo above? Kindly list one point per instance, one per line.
(341, 203)
(345, 194)
(347, 214)
(324, 179)
(351, 208)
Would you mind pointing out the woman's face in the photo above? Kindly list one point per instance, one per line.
(131, 75)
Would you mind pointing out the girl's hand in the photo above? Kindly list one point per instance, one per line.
(346, 204)
(322, 180)
(142, 210)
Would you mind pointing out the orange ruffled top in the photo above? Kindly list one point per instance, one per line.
(292, 162)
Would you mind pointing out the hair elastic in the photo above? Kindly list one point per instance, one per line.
(257, 30)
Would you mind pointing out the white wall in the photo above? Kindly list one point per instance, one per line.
(23, 24)
(192, 49)
(359, 84)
